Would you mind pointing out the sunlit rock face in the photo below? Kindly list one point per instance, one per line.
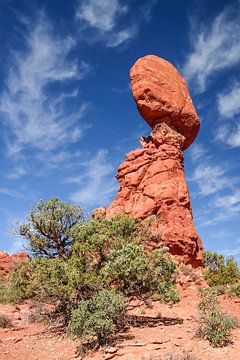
(8, 263)
(152, 180)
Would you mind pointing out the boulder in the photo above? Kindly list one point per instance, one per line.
(9, 262)
(161, 94)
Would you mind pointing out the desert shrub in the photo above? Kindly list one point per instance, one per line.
(94, 239)
(49, 280)
(128, 268)
(18, 284)
(219, 272)
(135, 273)
(102, 255)
(180, 356)
(214, 325)
(48, 226)
(5, 321)
(2, 291)
(95, 317)
(37, 314)
(234, 290)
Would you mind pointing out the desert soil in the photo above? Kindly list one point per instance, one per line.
(175, 334)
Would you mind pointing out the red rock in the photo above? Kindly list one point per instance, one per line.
(8, 263)
(99, 213)
(152, 181)
(161, 93)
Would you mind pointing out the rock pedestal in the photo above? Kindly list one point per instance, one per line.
(152, 180)
(152, 184)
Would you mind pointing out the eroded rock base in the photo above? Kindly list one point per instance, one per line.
(153, 184)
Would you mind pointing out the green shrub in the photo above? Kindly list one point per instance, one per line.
(18, 284)
(135, 273)
(5, 321)
(94, 239)
(48, 227)
(234, 290)
(128, 268)
(95, 317)
(214, 325)
(219, 272)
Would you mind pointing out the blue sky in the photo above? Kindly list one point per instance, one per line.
(68, 117)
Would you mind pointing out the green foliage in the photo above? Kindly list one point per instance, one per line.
(97, 256)
(5, 321)
(128, 268)
(104, 253)
(94, 239)
(234, 290)
(214, 325)
(95, 317)
(18, 285)
(135, 273)
(48, 227)
(219, 272)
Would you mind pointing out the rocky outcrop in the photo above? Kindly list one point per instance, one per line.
(152, 181)
(8, 263)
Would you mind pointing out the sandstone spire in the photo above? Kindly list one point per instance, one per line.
(152, 180)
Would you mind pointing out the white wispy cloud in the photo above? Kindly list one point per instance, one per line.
(122, 36)
(101, 15)
(197, 152)
(227, 201)
(9, 192)
(112, 21)
(229, 102)
(229, 134)
(37, 117)
(96, 185)
(17, 172)
(224, 206)
(215, 47)
(209, 178)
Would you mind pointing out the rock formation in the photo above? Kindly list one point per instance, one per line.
(8, 263)
(152, 181)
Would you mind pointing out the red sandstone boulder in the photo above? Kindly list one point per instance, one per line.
(8, 263)
(161, 93)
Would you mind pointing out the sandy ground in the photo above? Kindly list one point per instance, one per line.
(175, 334)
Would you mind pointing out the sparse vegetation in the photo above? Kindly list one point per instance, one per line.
(97, 316)
(77, 264)
(37, 314)
(135, 273)
(219, 272)
(234, 290)
(48, 227)
(214, 325)
(5, 321)
(182, 356)
(171, 356)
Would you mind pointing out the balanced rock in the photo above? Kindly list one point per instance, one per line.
(152, 180)
(8, 263)
(161, 94)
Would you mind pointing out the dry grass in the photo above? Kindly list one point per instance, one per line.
(5, 321)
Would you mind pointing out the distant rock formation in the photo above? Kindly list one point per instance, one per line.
(152, 180)
(8, 263)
